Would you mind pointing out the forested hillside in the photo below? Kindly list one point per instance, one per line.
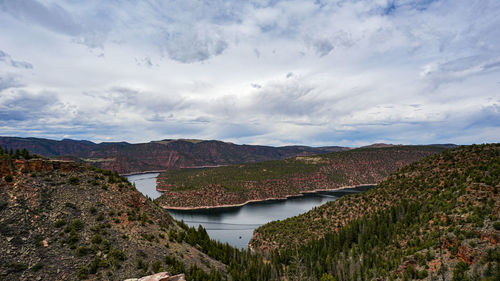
(237, 184)
(435, 218)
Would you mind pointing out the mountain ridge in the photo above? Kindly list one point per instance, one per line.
(125, 157)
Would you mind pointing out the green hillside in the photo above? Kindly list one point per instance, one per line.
(436, 217)
(237, 184)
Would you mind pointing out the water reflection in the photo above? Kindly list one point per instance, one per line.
(235, 225)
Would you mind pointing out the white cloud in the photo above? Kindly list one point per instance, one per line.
(267, 72)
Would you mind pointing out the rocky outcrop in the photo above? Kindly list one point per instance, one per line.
(162, 276)
(12, 166)
(63, 221)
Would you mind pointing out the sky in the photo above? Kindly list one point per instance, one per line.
(340, 72)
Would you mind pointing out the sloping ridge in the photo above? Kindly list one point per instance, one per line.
(435, 217)
(63, 221)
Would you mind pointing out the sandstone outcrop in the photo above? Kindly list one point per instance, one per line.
(162, 276)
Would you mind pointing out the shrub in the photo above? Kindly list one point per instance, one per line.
(70, 205)
(8, 178)
(77, 225)
(82, 251)
(157, 266)
(100, 217)
(3, 204)
(118, 255)
(67, 229)
(327, 277)
(422, 274)
(96, 239)
(60, 223)
(496, 225)
(16, 267)
(148, 237)
(460, 269)
(73, 238)
(140, 264)
(97, 263)
(82, 272)
(37, 266)
(74, 180)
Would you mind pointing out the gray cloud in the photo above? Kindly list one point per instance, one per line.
(51, 16)
(9, 81)
(461, 68)
(22, 105)
(15, 63)
(323, 47)
(191, 46)
(487, 116)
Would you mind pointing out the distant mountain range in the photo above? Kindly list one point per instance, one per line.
(382, 145)
(125, 157)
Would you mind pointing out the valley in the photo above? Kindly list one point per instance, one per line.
(263, 140)
(235, 225)
(434, 217)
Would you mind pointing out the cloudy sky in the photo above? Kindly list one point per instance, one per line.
(339, 72)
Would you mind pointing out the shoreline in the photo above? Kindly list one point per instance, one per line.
(141, 173)
(164, 170)
(302, 193)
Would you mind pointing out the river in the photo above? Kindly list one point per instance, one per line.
(235, 225)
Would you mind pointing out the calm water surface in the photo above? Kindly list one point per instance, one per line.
(146, 184)
(235, 225)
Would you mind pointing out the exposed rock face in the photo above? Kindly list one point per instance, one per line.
(162, 276)
(63, 221)
(37, 165)
(159, 155)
